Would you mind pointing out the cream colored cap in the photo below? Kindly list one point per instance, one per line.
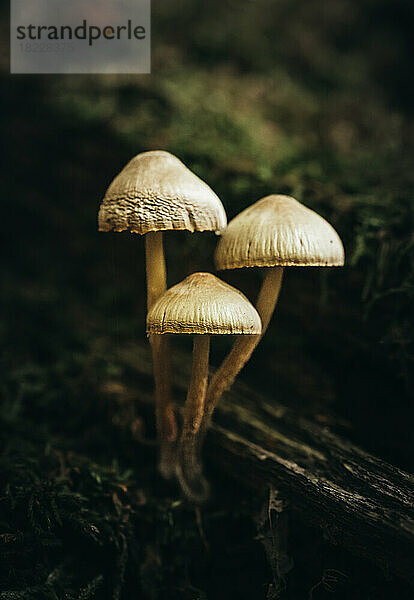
(279, 230)
(202, 303)
(155, 191)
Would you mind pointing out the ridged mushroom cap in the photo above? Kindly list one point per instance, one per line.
(202, 303)
(279, 230)
(155, 191)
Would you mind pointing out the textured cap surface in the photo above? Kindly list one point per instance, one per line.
(202, 303)
(155, 191)
(279, 230)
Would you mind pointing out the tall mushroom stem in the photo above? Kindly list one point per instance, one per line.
(189, 472)
(164, 406)
(244, 346)
(155, 266)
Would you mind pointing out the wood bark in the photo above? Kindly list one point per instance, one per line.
(360, 501)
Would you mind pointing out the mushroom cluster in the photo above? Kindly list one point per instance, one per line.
(156, 192)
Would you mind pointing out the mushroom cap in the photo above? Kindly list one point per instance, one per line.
(155, 191)
(279, 231)
(202, 303)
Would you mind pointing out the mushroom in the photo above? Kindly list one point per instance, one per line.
(201, 305)
(155, 192)
(275, 232)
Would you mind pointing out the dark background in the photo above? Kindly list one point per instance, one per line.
(309, 98)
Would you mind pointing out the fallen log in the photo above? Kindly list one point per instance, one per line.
(361, 502)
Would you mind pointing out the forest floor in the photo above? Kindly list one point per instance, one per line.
(312, 112)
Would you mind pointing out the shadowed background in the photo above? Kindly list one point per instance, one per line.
(313, 99)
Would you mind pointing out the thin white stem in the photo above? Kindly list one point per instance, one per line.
(155, 266)
(188, 465)
(164, 406)
(245, 344)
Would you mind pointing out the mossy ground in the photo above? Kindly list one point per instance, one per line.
(307, 98)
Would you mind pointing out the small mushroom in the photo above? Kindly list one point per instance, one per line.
(201, 305)
(156, 192)
(275, 232)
